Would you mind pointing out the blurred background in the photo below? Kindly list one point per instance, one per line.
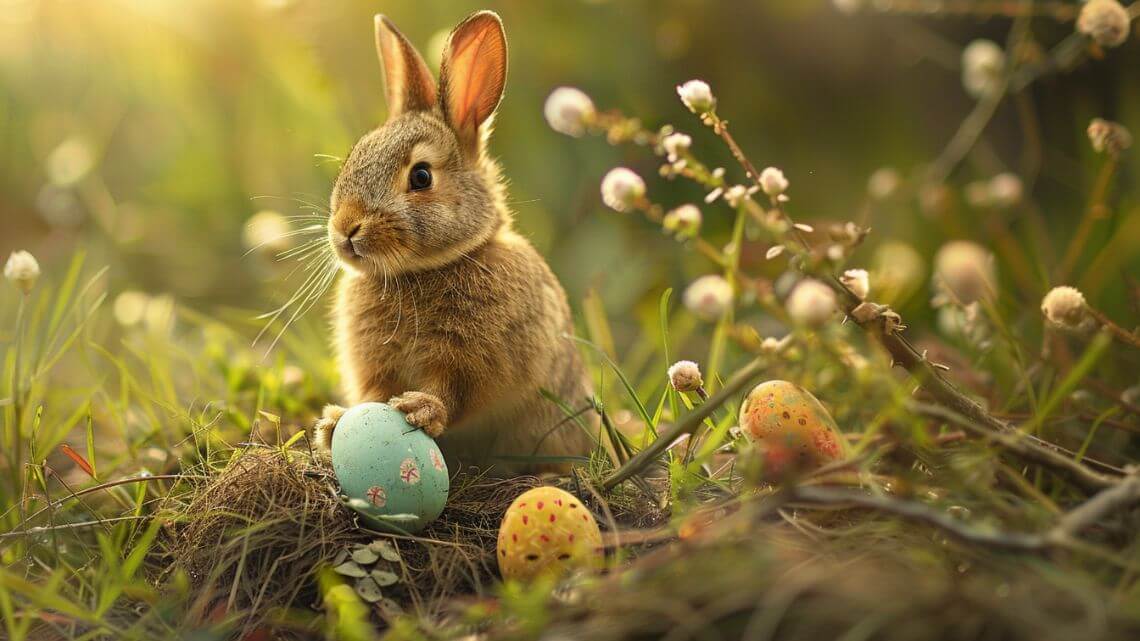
(151, 133)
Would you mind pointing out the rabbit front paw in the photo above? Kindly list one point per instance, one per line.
(423, 410)
(323, 428)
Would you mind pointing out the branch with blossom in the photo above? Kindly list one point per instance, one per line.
(826, 292)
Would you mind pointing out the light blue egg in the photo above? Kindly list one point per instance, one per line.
(394, 471)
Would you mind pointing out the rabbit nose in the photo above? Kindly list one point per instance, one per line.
(348, 244)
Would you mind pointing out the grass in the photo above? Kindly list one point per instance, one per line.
(157, 480)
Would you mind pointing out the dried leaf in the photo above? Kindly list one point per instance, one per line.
(351, 569)
(386, 550)
(390, 608)
(384, 578)
(365, 556)
(78, 458)
(367, 589)
(340, 557)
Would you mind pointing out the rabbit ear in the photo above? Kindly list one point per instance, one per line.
(407, 81)
(472, 75)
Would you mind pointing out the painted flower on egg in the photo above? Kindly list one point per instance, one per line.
(393, 473)
(547, 531)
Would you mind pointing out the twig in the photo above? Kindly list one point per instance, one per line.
(1124, 494)
(69, 526)
(104, 486)
(915, 511)
(1061, 535)
(1020, 445)
(1126, 337)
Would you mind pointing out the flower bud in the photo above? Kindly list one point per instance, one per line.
(883, 183)
(811, 303)
(622, 188)
(1064, 306)
(569, 111)
(684, 222)
(858, 281)
(1005, 190)
(983, 63)
(22, 270)
(697, 96)
(709, 297)
(735, 195)
(1108, 137)
(675, 144)
(685, 376)
(964, 270)
(772, 181)
(1105, 21)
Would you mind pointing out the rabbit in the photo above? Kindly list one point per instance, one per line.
(442, 310)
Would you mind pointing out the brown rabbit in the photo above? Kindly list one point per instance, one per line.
(442, 310)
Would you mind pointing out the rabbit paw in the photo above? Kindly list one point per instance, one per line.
(423, 410)
(323, 429)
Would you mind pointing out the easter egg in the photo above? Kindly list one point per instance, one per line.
(791, 428)
(392, 472)
(547, 531)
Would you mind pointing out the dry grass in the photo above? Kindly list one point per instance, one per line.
(252, 536)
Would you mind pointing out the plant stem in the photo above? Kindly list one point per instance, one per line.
(16, 453)
(1126, 337)
(1093, 212)
(687, 425)
(1019, 444)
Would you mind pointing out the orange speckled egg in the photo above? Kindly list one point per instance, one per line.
(791, 427)
(547, 530)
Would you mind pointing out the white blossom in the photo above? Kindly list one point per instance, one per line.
(569, 111)
(685, 376)
(773, 181)
(70, 162)
(129, 307)
(1105, 21)
(1108, 137)
(965, 271)
(22, 270)
(622, 188)
(709, 297)
(811, 303)
(697, 96)
(1005, 190)
(772, 345)
(883, 183)
(676, 144)
(1064, 306)
(858, 281)
(735, 195)
(684, 221)
(983, 64)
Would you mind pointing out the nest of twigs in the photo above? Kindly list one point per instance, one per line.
(253, 535)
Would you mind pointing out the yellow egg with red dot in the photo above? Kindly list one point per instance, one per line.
(791, 428)
(547, 531)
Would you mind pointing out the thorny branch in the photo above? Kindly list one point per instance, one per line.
(885, 326)
(1062, 535)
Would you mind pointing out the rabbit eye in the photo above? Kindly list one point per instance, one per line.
(420, 178)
